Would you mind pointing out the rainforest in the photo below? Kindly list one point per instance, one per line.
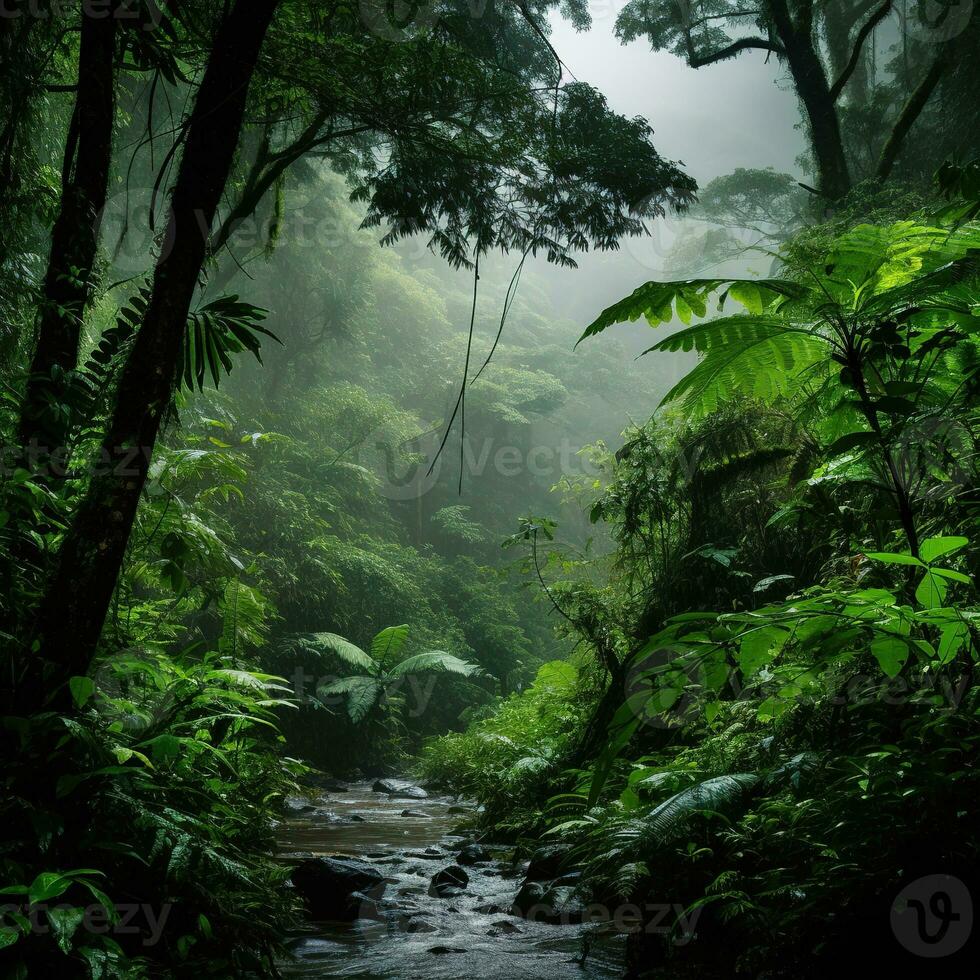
(489, 488)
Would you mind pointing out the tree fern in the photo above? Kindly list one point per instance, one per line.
(364, 691)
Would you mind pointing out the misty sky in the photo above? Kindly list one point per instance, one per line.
(734, 114)
(741, 113)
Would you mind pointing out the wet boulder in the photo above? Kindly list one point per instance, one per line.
(472, 853)
(362, 906)
(490, 908)
(531, 894)
(335, 887)
(413, 813)
(448, 882)
(547, 862)
(502, 927)
(562, 906)
(391, 787)
(554, 904)
(417, 924)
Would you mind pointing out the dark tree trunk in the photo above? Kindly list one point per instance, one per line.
(74, 239)
(596, 732)
(73, 610)
(810, 80)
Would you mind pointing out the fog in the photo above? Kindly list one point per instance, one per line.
(739, 113)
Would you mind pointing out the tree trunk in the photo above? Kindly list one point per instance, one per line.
(73, 610)
(810, 79)
(74, 239)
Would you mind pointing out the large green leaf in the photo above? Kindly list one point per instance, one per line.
(891, 654)
(388, 642)
(215, 332)
(757, 647)
(933, 548)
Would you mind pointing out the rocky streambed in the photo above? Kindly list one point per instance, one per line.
(397, 889)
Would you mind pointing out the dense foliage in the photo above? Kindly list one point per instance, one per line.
(256, 472)
(789, 723)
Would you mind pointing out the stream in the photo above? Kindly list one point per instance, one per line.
(415, 934)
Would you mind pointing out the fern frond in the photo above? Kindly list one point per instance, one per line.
(752, 356)
(720, 794)
(340, 647)
(362, 694)
(659, 302)
(436, 661)
(245, 617)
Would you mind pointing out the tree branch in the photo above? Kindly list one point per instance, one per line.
(731, 51)
(862, 35)
(907, 117)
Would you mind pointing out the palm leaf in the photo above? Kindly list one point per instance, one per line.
(214, 332)
(435, 661)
